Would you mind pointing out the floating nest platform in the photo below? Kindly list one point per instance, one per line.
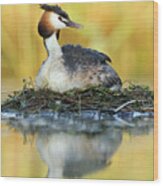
(134, 98)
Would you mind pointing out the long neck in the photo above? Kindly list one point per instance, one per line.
(52, 46)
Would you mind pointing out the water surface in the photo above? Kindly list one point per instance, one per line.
(40, 148)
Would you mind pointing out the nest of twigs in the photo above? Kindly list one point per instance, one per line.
(29, 100)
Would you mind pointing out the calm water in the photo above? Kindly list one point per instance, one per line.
(113, 153)
(39, 147)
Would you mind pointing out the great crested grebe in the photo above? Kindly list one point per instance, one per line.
(70, 66)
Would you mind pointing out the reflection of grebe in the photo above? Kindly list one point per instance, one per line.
(76, 155)
(70, 66)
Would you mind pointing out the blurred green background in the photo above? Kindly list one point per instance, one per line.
(123, 30)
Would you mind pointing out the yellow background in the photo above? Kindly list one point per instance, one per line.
(123, 30)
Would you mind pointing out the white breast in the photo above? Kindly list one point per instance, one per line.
(53, 74)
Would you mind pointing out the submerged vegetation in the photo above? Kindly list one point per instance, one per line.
(28, 100)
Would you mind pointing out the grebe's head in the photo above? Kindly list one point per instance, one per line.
(54, 19)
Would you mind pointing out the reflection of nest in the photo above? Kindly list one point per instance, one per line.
(88, 123)
(131, 99)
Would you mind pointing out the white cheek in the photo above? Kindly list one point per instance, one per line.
(56, 22)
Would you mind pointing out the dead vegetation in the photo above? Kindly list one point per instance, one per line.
(29, 100)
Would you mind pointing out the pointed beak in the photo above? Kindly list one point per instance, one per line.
(73, 24)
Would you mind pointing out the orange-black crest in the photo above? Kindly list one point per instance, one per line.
(55, 9)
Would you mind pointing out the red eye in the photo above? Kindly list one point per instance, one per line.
(60, 18)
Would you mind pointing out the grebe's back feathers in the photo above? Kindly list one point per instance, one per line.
(77, 50)
(75, 56)
(92, 64)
